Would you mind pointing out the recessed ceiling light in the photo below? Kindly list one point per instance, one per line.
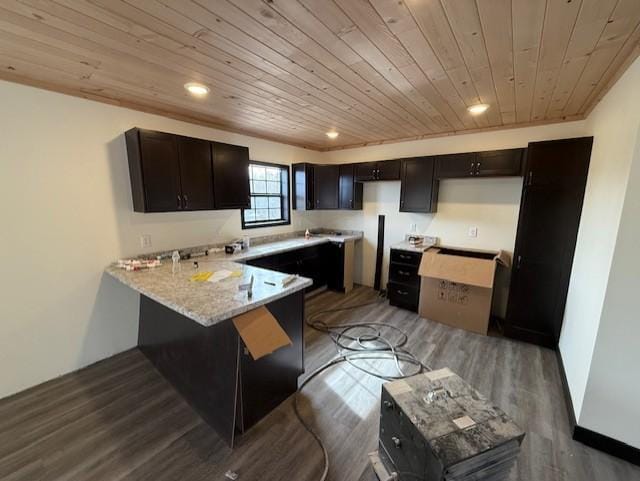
(197, 89)
(478, 109)
(332, 135)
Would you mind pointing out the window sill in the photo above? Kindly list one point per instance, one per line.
(266, 224)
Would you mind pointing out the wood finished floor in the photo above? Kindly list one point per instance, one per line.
(120, 420)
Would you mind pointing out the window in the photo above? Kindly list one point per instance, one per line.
(269, 185)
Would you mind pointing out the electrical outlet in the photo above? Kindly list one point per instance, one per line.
(145, 241)
(473, 231)
(413, 227)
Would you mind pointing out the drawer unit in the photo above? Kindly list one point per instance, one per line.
(404, 274)
(406, 257)
(403, 289)
(403, 296)
(436, 427)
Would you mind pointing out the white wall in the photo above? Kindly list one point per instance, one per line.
(614, 125)
(65, 205)
(611, 403)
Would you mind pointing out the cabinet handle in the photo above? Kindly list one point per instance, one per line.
(179, 202)
(403, 293)
(530, 181)
(518, 262)
(403, 256)
(396, 442)
(186, 201)
(473, 165)
(403, 273)
(478, 168)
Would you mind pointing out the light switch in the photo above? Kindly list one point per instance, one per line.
(473, 231)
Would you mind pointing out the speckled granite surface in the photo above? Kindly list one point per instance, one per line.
(208, 302)
(271, 244)
(285, 245)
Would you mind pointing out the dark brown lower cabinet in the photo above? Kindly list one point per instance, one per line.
(552, 197)
(403, 288)
(212, 370)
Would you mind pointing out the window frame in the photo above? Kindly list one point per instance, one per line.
(285, 198)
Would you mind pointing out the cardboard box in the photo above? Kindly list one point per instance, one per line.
(457, 286)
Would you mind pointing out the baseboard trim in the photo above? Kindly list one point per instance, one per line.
(567, 394)
(591, 438)
(607, 445)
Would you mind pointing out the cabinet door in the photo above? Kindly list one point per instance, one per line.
(333, 259)
(160, 171)
(196, 176)
(499, 163)
(366, 171)
(302, 186)
(418, 188)
(388, 170)
(231, 176)
(546, 238)
(326, 186)
(455, 165)
(350, 190)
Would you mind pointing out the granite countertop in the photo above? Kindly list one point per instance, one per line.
(285, 245)
(405, 246)
(208, 303)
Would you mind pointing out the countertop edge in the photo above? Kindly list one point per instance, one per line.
(302, 283)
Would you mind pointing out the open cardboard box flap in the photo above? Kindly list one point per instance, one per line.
(464, 266)
(261, 332)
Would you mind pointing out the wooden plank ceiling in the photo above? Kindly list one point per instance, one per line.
(291, 70)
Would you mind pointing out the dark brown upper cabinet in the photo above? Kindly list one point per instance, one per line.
(382, 170)
(455, 165)
(302, 186)
(326, 186)
(196, 174)
(350, 190)
(231, 176)
(418, 185)
(495, 163)
(154, 170)
(171, 173)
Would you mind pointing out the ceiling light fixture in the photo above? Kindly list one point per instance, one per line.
(478, 109)
(332, 135)
(197, 89)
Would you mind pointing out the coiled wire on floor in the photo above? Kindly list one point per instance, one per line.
(357, 342)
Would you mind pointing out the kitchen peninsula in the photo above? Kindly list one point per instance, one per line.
(187, 330)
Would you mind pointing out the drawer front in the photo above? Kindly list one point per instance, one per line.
(400, 441)
(406, 257)
(404, 274)
(403, 296)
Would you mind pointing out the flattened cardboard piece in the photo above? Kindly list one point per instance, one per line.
(261, 332)
(459, 266)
